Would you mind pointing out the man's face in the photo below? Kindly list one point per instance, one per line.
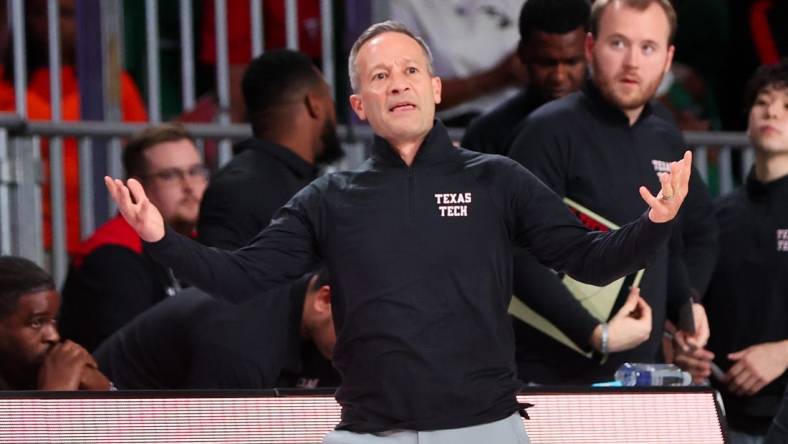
(396, 92)
(175, 181)
(555, 62)
(27, 334)
(630, 54)
(768, 121)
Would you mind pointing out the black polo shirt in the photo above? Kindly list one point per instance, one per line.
(585, 149)
(244, 195)
(492, 132)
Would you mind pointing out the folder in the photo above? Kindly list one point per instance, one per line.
(599, 301)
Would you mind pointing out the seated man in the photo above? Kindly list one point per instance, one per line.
(31, 353)
(194, 341)
(112, 279)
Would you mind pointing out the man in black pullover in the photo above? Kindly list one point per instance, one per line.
(418, 242)
(593, 147)
(747, 298)
(552, 36)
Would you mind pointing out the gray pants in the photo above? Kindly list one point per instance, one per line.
(505, 431)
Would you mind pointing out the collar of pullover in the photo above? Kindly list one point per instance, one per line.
(608, 111)
(435, 148)
(761, 191)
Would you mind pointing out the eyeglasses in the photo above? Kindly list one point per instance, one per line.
(198, 173)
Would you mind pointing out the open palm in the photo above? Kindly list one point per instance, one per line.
(140, 213)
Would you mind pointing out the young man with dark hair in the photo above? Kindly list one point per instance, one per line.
(32, 355)
(552, 37)
(195, 341)
(419, 244)
(289, 105)
(112, 278)
(746, 300)
(592, 147)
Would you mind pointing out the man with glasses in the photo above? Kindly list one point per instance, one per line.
(112, 278)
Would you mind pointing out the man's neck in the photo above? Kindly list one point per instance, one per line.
(182, 227)
(407, 150)
(770, 167)
(633, 114)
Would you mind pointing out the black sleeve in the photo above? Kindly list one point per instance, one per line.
(114, 285)
(542, 290)
(281, 253)
(544, 225)
(224, 370)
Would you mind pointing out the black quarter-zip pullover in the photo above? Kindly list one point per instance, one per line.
(585, 149)
(747, 300)
(421, 264)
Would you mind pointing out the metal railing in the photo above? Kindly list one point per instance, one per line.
(21, 173)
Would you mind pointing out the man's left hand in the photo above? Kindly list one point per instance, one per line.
(675, 186)
(756, 366)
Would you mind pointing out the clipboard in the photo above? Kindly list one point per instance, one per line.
(599, 301)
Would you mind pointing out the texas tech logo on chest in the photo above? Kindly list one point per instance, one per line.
(782, 239)
(453, 204)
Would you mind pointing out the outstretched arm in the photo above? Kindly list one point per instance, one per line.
(280, 253)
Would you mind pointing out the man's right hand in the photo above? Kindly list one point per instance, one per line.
(143, 216)
(630, 326)
(63, 367)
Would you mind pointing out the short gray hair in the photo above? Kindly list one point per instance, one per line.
(374, 31)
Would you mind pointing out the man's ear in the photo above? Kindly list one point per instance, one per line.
(322, 301)
(313, 105)
(437, 86)
(358, 106)
(671, 51)
(589, 46)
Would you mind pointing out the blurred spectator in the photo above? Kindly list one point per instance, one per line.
(294, 123)
(552, 45)
(31, 353)
(591, 146)
(111, 278)
(194, 341)
(691, 101)
(239, 38)
(767, 25)
(746, 300)
(39, 103)
(474, 45)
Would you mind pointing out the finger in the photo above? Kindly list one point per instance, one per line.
(137, 191)
(687, 168)
(737, 369)
(645, 310)
(745, 383)
(650, 199)
(735, 356)
(681, 342)
(125, 205)
(759, 384)
(113, 190)
(632, 300)
(665, 181)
